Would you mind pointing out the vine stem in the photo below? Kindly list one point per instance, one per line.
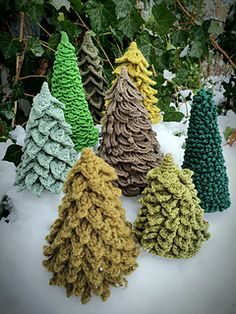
(97, 40)
(19, 62)
(29, 76)
(211, 37)
(49, 35)
(46, 46)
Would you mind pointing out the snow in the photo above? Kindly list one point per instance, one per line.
(204, 284)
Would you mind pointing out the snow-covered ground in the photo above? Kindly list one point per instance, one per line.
(204, 284)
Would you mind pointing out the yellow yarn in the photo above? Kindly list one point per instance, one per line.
(136, 66)
(90, 245)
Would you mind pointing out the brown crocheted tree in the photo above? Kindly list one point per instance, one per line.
(128, 142)
(91, 245)
(91, 71)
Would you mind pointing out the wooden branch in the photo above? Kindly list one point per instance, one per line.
(19, 61)
(216, 46)
(29, 76)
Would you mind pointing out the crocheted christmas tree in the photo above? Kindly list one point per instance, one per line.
(170, 222)
(128, 142)
(203, 154)
(91, 71)
(137, 66)
(48, 151)
(91, 245)
(67, 87)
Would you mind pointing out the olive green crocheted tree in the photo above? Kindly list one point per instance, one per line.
(91, 71)
(137, 66)
(203, 154)
(48, 151)
(170, 222)
(91, 245)
(128, 142)
(67, 87)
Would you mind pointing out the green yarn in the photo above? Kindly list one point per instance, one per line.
(48, 151)
(170, 222)
(67, 87)
(203, 154)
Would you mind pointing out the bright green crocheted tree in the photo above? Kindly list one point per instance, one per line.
(203, 154)
(91, 71)
(170, 222)
(48, 151)
(67, 87)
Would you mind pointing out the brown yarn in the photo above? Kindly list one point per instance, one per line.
(90, 245)
(128, 142)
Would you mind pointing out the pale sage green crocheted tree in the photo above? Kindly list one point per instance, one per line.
(48, 151)
(170, 222)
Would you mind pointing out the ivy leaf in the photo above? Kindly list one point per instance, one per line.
(180, 39)
(130, 24)
(196, 50)
(60, 3)
(17, 91)
(149, 46)
(77, 5)
(123, 7)
(9, 115)
(181, 76)
(164, 18)
(10, 46)
(216, 28)
(35, 47)
(172, 115)
(13, 154)
(101, 14)
(227, 132)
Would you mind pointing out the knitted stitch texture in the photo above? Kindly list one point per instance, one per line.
(67, 87)
(48, 151)
(170, 222)
(136, 66)
(128, 142)
(91, 71)
(91, 245)
(203, 154)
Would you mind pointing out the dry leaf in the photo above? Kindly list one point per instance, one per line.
(232, 138)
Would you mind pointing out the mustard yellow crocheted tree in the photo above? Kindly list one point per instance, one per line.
(91, 245)
(170, 222)
(137, 66)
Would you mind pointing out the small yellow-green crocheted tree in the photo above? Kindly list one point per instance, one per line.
(137, 66)
(170, 222)
(91, 245)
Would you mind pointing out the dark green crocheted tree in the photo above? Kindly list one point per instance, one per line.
(203, 154)
(170, 222)
(91, 71)
(67, 87)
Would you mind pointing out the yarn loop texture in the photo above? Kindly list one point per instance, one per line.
(203, 154)
(137, 65)
(90, 245)
(170, 222)
(67, 87)
(128, 142)
(48, 151)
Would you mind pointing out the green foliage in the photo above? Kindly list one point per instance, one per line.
(227, 132)
(13, 154)
(160, 28)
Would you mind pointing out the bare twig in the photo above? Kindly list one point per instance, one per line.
(19, 62)
(30, 76)
(97, 40)
(46, 46)
(49, 35)
(211, 37)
